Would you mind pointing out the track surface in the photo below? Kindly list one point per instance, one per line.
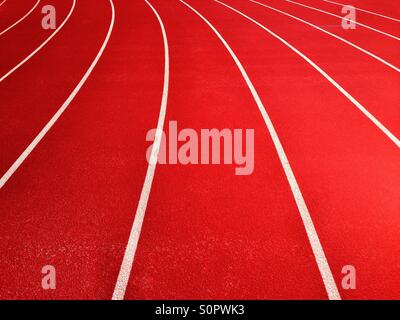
(207, 233)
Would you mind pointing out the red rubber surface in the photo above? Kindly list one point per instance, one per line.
(12, 11)
(207, 233)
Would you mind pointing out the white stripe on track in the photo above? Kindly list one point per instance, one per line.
(331, 34)
(386, 131)
(130, 251)
(60, 111)
(371, 12)
(316, 246)
(41, 46)
(20, 20)
(2, 2)
(343, 18)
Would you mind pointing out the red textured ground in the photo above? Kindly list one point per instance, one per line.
(207, 233)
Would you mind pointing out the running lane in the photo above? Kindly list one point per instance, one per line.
(12, 10)
(20, 41)
(208, 233)
(71, 202)
(372, 83)
(386, 7)
(385, 47)
(374, 21)
(346, 168)
(33, 93)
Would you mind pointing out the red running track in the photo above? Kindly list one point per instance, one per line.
(207, 233)
(12, 11)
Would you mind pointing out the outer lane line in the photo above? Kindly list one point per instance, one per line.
(386, 131)
(41, 46)
(331, 34)
(130, 251)
(343, 18)
(20, 20)
(359, 9)
(60, 111)
(316, 246)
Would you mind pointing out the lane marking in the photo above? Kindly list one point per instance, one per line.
(331, 34)
(371, 12)
(316, 246)
(20, 20)
(390, 135)
(130, 251)
(60, 111)
(343, 18)
(41, 46)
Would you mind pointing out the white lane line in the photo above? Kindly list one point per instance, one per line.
(41, 46)
(331, 34)
(390, 135)
(316, 246)
(343, 18)
(130, 251)
(359, 9)
(20, 20)
(60, 111)
(2, 3)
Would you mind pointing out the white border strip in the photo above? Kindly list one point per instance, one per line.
(60, 111)
(331, 34)
(130, 251)
(386, 131)
(316, 246)
(20, 20)
(343, 18)
(359, 9)
(2, 2)
(41, 46)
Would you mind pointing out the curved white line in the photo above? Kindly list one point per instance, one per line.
(20, 20)
(371, 12)
(2, 3)
(130, 251)
(390, 135)
(41, 46)
(343, 18)
(331, 34)
(316, 246)
(60, 111)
